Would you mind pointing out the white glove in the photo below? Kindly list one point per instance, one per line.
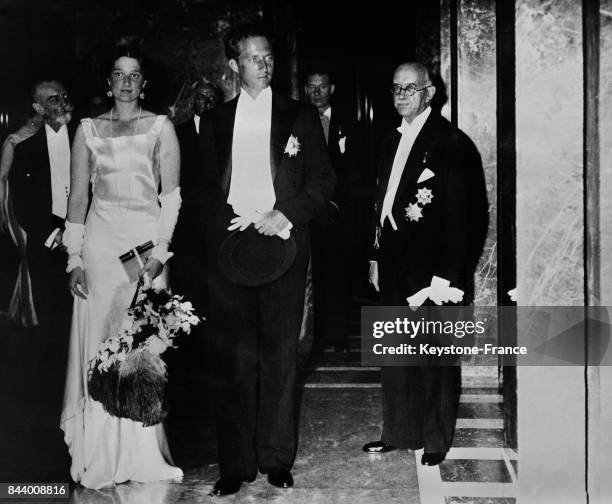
(246, 218)
(439, 292)
(73, 237)
(170, 206)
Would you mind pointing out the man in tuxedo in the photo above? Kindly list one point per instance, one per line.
(427, 236)
(265, 164)
(334, 232)
(204, 96)
(39, 182)
(187, 271)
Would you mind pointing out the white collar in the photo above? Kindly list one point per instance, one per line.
(417, 122)
(52, 133)
(263, 96)
(327, 113)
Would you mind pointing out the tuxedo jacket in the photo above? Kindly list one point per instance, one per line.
(30, 183)
(445, 236)
(303, 183)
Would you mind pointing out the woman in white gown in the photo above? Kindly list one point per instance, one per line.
(124, 154)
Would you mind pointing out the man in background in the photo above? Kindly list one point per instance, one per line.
(333, 234)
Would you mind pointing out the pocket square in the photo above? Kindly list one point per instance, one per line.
(426, 174)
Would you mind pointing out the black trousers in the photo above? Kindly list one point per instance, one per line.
(254, 333)
(419, 402)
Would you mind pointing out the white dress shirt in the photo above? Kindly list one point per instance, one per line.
(409, 133)
(251, 186)
(196, 121)
(59, 161)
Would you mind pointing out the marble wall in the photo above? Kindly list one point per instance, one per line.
(549, 227)
(476, 111)
(549, 152)
(600, 378)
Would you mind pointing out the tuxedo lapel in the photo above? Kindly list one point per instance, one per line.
(386, 166)
(40, 156)
(283, 118)
(224, 134)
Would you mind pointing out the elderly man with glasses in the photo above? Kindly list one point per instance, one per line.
(426, 238)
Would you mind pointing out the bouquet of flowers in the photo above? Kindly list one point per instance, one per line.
(128, 375)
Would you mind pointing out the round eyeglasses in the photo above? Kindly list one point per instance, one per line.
(409, 90)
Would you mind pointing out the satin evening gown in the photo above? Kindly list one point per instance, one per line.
(124, 174)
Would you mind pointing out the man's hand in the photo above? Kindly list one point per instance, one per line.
(373, 275)
(77, 283)
(271, 223)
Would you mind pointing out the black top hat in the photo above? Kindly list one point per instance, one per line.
(250, 258)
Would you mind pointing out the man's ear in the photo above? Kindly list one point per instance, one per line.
(38, 108)
(431, 91)
(332, 88)
(233, 64)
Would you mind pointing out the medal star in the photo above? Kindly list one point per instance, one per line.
(424, 196)
(413, 212)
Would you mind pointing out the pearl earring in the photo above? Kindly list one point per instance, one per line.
(142, 96)
(109, 93)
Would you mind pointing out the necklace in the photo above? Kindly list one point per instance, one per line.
(135, 125)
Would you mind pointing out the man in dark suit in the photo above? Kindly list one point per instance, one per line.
(186, 273)
(186, 243)
(39, 182)
(429, 229)
(264, 163)
(334, 232)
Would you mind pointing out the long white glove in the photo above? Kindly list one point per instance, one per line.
(74, 235)
(170, 206)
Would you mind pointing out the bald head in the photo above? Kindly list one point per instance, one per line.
(42, 89)
(412, 90)
(417, 69)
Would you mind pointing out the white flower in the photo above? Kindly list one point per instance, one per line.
(424, 196)
(342, 144)
(413, 212)
(187, 306)
(113, 345)
(156, 345)
(292, 147)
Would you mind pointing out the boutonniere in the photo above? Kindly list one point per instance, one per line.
(293, 146)
(342, 144)
(413, 211)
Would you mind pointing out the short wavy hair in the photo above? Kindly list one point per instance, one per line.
(242, 32)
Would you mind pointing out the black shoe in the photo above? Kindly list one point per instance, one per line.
(378, 447)
(280, 478)
(433, 459)
(228, 485)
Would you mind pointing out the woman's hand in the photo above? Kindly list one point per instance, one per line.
(77, 283)
(150, 271)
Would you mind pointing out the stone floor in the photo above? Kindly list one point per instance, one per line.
(330, 466)
(339, 411)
